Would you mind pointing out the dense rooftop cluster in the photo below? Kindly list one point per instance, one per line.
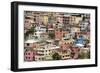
(56, 36)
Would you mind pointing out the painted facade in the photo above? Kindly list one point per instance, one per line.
(56, 36)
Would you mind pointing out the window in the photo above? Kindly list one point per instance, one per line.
(26, 21)
(46, 50)
(39, 58)
(42, 58)
(61, 46)
(63, 35)
(68, 55)
(28, 57)
(28, 53)
(60, 30)
(28, 44)
(34, 19)
(33, 53)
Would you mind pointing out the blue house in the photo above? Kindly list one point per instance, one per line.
(80, 41)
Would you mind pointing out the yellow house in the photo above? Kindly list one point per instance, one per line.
(45, 19)
(75, 29)
(75, 20)
(78, 19)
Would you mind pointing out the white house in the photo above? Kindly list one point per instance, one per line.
(40, 28)
(84, 25)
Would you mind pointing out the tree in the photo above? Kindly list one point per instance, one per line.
(30, 31)
(56, 56)
(84, 55)
(81, 55)
(51, 35)
(88, 55)
(75, 36)
(87, 41)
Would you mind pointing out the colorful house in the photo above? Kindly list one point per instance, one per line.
(28, 23)
(39, 31)
(67, 36)
(74, 52)
(29, 55)
(64, 46)
(58, 34)
(44, 52)
(65, 54)
(30, 43)
(84, 26)
(80, 41)
(45, 19)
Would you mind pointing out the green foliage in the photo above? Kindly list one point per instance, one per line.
(52, 35)
(56, 56)
(83, 55)
(87, 41)
(30, 31)
(88, 54)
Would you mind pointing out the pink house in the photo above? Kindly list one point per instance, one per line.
(29, 55)
(75, 51)
(58, 34)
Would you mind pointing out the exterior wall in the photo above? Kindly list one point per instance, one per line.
(75, 29)
(66, 20)
(27, 24)
(72, 20)
(64, 46)
(75, 51)
(66, 41)
(62, 28)
(30, 45)
(84, 25)
(58, 34)
(66, 36)
(48, 54)
(78, 19)
(45, 20)
(66, 55)
(39, 58)
(41, 29)
(44, 54)
(60, 19)
(29, 56)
